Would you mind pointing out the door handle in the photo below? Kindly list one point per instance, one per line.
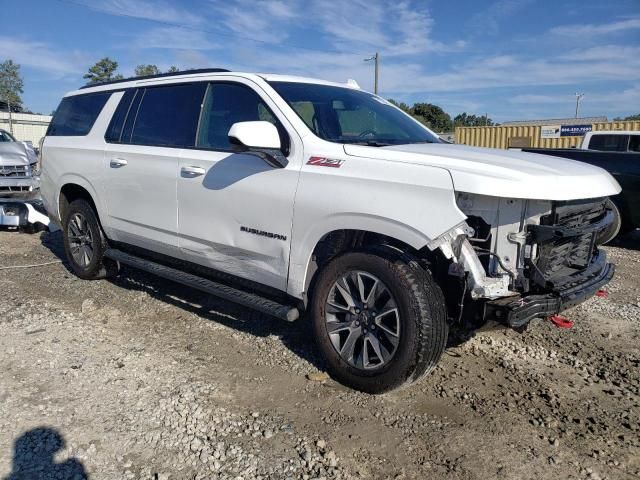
(117, 162)
(192, 171)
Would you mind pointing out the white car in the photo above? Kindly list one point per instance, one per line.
(292, 195)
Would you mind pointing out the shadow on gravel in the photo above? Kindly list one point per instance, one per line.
(295, 336)
(33, 457)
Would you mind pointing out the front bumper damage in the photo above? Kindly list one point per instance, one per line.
(21, 213)
(19, 187)
(539, 258)
(519, 310)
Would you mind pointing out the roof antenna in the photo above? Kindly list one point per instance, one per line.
(353, 84)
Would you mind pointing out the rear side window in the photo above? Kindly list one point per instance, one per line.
(634, 143)
(76, 115)
(609, 143)
(168, 115)
(117, 121)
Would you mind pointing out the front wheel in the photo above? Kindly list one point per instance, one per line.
(379, 319)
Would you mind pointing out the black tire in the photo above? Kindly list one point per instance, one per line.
(614, 229)
(422, 319)
(98, 267)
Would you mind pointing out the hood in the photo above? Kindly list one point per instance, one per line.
(16, 153)
(502, 173)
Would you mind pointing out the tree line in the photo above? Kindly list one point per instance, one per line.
(105, 70)
(438, 120)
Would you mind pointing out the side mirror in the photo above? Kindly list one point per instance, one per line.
(260, 138)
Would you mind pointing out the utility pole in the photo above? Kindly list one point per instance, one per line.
(376, 60)
(579, 96)
(10, 119)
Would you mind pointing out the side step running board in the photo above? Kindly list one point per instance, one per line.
(249, 300)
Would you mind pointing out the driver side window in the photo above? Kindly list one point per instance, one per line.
(226, 104)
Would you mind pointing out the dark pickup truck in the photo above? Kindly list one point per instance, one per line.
(625, 168)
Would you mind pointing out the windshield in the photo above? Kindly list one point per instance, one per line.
(345, 115)
(6, 137)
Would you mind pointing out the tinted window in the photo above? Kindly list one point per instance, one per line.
(346, 115)
(229, 103)
(634, 143)
(6, 137)
(168, 116)
(76, 115)
(117, 122)
(125, 136)
(609, 143)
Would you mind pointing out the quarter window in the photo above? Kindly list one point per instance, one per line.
(229, 103)
(76, 115)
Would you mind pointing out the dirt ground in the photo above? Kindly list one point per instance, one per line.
(142, 378)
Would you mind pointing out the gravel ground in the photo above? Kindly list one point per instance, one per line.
(142, 378)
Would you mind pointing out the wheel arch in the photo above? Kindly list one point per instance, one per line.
(323, 244)
(74, 189)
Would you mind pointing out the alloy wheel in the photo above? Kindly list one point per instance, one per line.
(362, 320)
(80, 240)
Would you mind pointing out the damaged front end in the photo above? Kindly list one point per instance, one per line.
(523, 259)
(19, 187)
(18, 169)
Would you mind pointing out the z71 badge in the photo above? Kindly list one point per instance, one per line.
(325, 162)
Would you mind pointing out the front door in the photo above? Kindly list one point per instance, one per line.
(234, 210)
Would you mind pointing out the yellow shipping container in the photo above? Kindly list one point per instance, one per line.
(527, 135)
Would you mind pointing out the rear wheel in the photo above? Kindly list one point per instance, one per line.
(85, 243)
(379, 319)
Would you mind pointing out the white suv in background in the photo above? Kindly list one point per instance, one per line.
(292, 195)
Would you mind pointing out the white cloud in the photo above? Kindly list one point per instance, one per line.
(159, 11)
(393, 29)
(41, 56)
(173, 38)
(585, 30)
(262, 21)
(618, 99)
(604, 52)
(487, 22)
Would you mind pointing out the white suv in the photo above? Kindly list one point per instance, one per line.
(289, 194)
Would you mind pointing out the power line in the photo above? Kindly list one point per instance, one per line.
(203, 30)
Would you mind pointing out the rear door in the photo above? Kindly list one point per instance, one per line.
(144, 139)
(234, 210)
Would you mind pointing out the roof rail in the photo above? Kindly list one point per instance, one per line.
(159, 75)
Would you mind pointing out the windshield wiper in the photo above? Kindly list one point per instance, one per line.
(369, 143)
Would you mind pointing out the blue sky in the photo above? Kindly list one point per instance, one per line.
(513, 59)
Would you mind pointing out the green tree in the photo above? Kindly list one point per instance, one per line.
(103, 71)
(173, 69)
(432, 116)
(11, 85)
(144, 70)
(465, 120)
(401, 106)
(627, 118)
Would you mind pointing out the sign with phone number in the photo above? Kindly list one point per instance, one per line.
(575, 130)
(557, 131)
